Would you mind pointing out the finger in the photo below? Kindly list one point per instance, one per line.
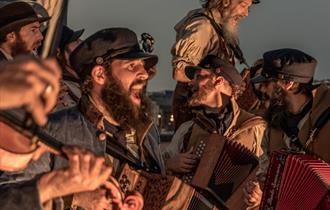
(50, 78)
(103, 203)
(85, 161)
(115, 192)
(50, 98)
(191, 149)
(42, 71)
(190, 156)
(184, 170)
(73, 160)
(105, 174)
(188, 161)
(96, 166)
(53, 66)
(37, 111)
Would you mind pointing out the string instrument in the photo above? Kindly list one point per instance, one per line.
(19, 134)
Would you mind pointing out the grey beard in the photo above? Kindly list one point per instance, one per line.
(230, 35)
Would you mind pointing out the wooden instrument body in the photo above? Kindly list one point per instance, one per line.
(162, 192)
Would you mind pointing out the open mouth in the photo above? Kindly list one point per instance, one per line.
(136, 95)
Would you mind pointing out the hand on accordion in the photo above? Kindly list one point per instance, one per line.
(132, 201)
(252, 194)
(182, 162)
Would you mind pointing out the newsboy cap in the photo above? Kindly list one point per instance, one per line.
(68, 36)
(107, 44)
(287, 64)
(14, 15)
(218, 67)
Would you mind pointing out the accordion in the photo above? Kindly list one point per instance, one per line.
(296, 181)
(224, 168)
(162, 192)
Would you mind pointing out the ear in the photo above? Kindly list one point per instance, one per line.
(11, 37)
(219, 80)
(98, 74)
(133, 202)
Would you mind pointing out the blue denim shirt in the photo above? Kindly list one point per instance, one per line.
(71, 127)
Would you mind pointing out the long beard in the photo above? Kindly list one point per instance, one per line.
(200, 95)
(119, 105)
(230, 31)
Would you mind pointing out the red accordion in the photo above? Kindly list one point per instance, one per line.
(223, 169)
(162, 192)
(296, 181)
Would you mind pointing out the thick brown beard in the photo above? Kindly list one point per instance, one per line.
(19, 47)
(121, 108)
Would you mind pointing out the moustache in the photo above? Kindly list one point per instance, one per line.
(138, 82)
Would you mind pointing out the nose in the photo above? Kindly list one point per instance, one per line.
(245, 12)
(142, 73)
(40, 36)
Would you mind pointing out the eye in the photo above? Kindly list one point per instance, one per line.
(130, 67)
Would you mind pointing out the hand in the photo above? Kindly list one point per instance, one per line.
(31, 83)
(92, 200)
(182, 162)
(133, 201)
(252, 194)
(86, 172)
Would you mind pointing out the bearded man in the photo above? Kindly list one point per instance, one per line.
(19, 30)
(211, 30)
(215, 86)
(299, 111)
(113, 108)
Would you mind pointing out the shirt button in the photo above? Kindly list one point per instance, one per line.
(102, 136)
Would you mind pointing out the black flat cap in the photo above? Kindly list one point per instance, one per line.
(217, 66)
(288, 64)
(17, 14)
(257, 72)
(107, 44)
(68, 36)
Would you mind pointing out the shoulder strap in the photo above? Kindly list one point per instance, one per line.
(235, 48)
(202, 122)
(247, 124)
(325, 116)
